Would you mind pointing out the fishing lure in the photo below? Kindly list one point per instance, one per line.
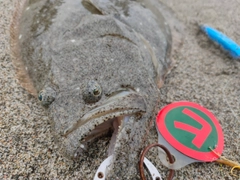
(221, 39)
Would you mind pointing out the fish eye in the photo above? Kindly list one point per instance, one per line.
(96, 92)
(92, 92)
(46, 96)
(40, 96)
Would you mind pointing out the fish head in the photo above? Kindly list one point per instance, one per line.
(93, 86)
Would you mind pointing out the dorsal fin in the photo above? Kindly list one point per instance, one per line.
(15, 50)
(91, 7)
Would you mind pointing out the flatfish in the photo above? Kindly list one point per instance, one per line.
(96, 66)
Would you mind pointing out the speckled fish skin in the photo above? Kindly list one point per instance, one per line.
(121, 47)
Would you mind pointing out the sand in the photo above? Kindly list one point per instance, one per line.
(202, 74)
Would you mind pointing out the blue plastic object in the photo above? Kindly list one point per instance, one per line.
(221, 39)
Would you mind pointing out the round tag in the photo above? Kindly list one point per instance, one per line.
(192, 130)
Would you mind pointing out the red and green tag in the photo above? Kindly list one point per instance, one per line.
(191, 129)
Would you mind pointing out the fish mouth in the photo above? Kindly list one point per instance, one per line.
(109, 116)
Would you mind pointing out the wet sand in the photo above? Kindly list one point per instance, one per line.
(202, 74)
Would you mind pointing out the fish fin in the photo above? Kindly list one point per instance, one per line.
(88, 4)
(15, 51)
(158, 69)
(177, 29)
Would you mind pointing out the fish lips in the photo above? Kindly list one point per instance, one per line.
(99, 120)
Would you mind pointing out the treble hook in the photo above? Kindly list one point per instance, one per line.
(170, 157)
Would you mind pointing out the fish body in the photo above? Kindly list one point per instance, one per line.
(96, 66)
(224, 41)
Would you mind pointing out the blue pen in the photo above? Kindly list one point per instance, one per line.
(221, 39)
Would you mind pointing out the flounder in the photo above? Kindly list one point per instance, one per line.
(96, 66)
